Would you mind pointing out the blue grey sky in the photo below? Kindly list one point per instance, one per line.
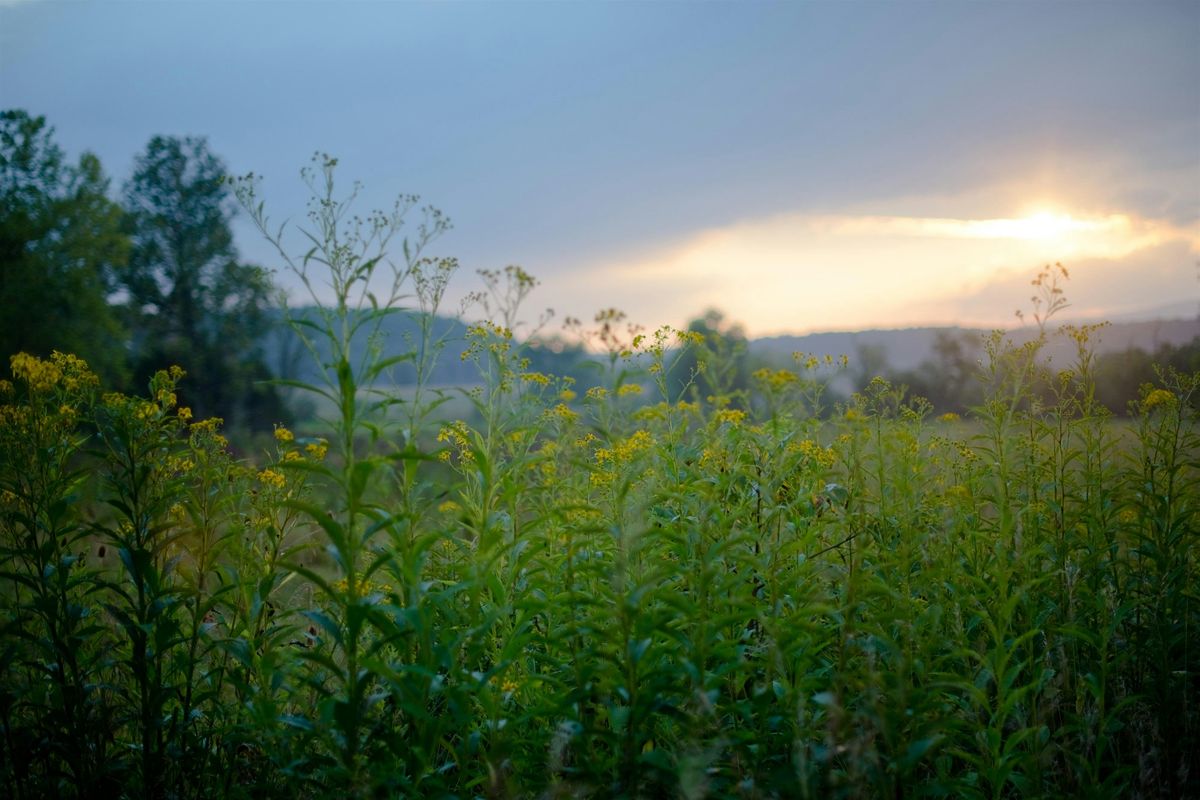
(802, 165)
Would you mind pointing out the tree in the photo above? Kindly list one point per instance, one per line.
(719, 369)
(61, 244)
(950, 379)
(190, 300)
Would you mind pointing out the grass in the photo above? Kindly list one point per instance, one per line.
(623, 593)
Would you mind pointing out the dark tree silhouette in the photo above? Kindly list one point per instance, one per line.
(190, 300)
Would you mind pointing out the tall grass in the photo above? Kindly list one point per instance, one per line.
(634, 592)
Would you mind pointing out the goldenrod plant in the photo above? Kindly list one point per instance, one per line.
(623, 590)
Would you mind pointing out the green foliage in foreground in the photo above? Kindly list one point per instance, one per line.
(591, 596)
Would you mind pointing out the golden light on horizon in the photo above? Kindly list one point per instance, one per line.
(1046, 225)
(823, 271)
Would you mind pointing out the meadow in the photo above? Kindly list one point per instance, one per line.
(629, 591)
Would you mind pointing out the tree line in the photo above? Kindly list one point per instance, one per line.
(136, 280)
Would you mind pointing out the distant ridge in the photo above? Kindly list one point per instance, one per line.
(895, 350)
(906, 348)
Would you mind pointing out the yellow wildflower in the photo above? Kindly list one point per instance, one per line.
(1156, 398)
(272, 478)
(775, 380)
(41, 376)
(734, 416)
(282, 434)
(562, 414)
(536, 378)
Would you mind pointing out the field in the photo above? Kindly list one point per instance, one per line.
(629, 591)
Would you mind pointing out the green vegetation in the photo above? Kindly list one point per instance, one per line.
(604, 592)
(189, 300)
(135, 286)
(60, 246)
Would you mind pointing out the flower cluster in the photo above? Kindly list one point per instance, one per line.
(1158, 398)
(457, 435)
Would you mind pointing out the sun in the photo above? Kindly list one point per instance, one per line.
(1042, 226)
(1048, 225)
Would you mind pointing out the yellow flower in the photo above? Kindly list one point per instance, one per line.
(180, 464)
(629, 389)
(949, 416)
(536, 378)
(1156, 398)
(625, 450)
(561, 413)
(272, 478)
(282, 434)
(823, 457)
(567, 395)
(734, 416)
(775, 380)
(316, 450)
(41, 376)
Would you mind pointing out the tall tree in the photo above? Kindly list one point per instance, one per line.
(190, 299)
(61, 244)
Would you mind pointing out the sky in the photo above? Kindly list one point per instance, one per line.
(801, 166)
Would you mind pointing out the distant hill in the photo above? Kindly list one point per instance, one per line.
(907, 348)
(287, 357)
(891, 350)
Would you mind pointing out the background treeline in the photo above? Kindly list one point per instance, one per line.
(135, 283)
(938, 364)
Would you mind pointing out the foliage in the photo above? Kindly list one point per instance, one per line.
(190, 300)
(718, 367)
(613, 592)
(60, 245)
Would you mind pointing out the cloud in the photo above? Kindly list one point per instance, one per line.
(798, 272)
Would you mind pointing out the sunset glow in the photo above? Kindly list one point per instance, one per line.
(789, 272)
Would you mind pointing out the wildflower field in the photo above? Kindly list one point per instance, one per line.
(628, 591)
